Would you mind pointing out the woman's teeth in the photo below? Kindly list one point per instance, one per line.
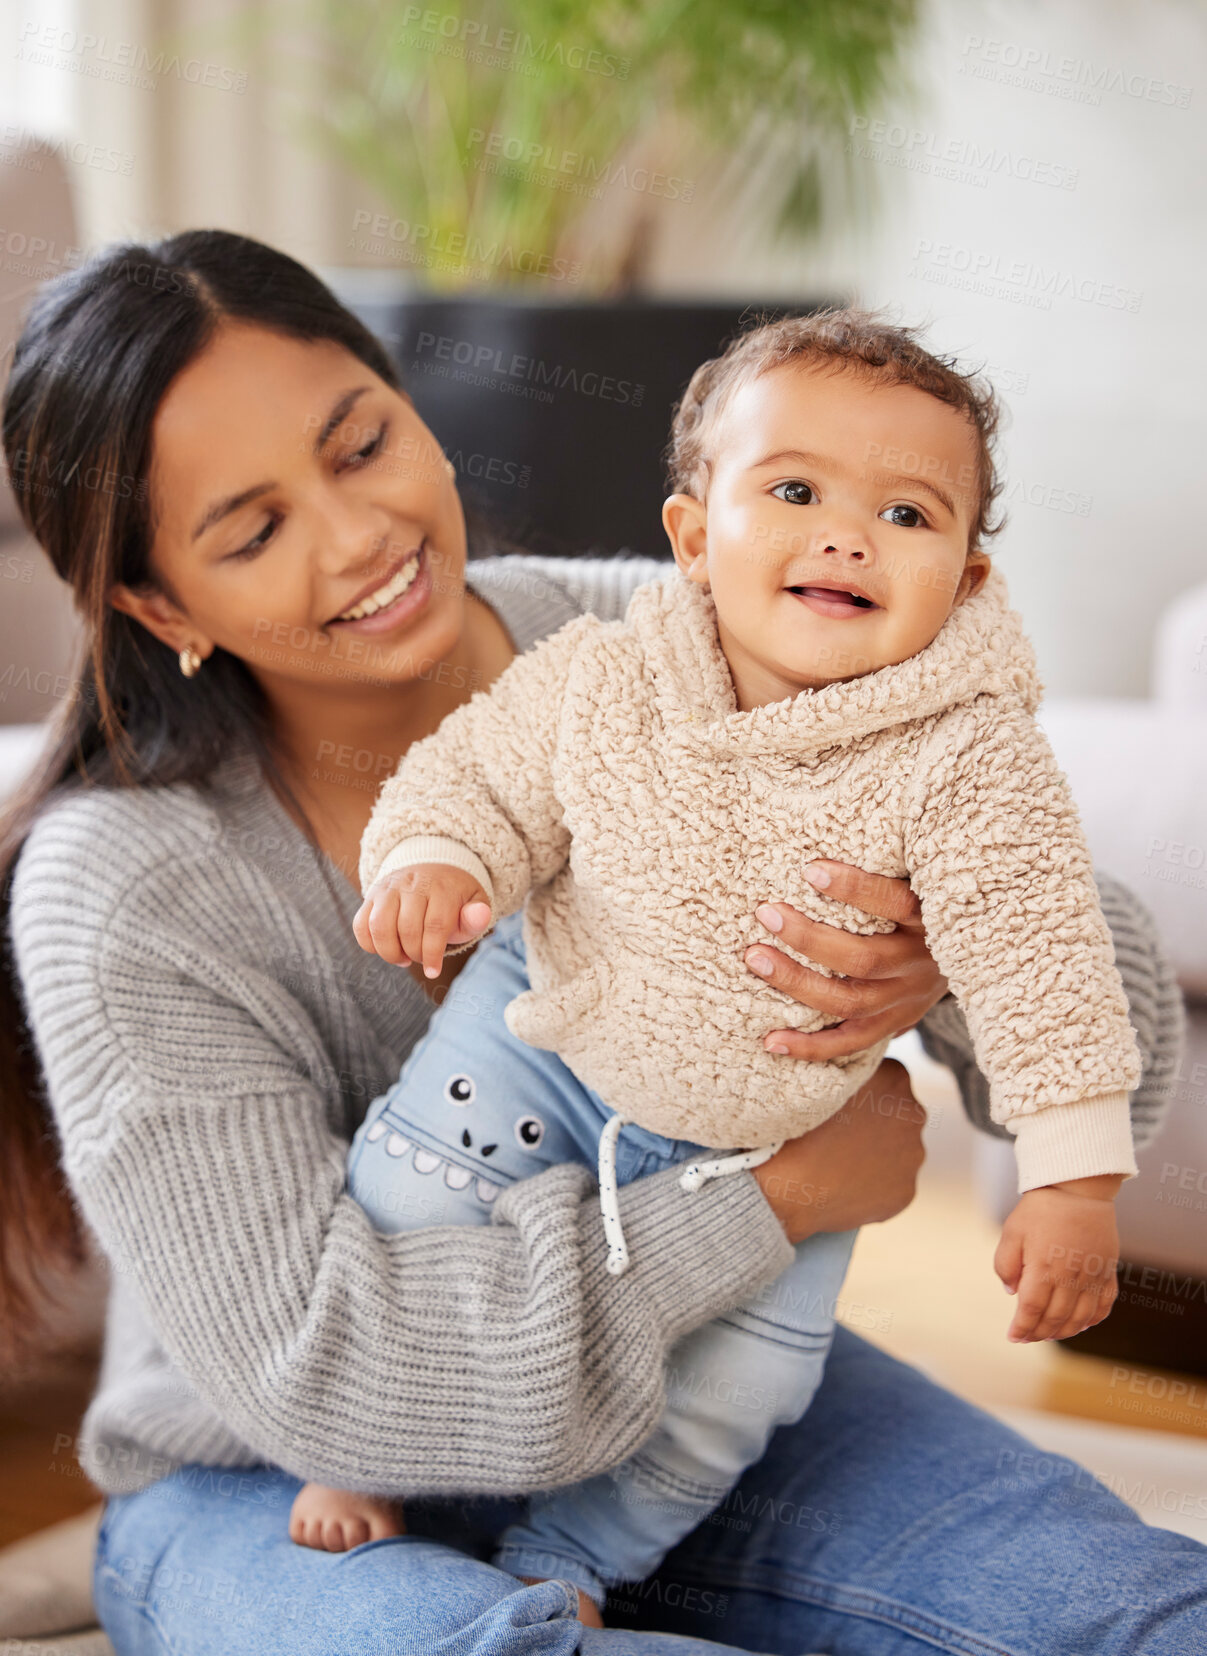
(394, 588)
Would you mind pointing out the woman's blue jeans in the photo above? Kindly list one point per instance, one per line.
(892, 1520)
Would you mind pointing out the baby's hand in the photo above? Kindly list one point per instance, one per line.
(1059, 1250)
(416, 912)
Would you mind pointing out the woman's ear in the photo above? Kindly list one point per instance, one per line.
(155, 611)
(685, 520)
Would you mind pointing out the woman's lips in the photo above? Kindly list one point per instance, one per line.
(837, 606)
(402, 609)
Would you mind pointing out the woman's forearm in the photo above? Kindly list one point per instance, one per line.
(198, 1109)
(491, 1360)
(858, 1168)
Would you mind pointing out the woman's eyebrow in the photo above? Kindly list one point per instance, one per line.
(232, 503)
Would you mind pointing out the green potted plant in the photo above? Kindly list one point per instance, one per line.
(517, 156)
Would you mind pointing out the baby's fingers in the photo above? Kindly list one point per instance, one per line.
(439, 924)
(376, 925)
(1008, 1260)
(1083, 1315)
(1034, 1296)
(1058, 1317)
(1093, 1305)
(473, 919)
(475, 915)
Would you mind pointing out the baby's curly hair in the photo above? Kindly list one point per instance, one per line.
(863, 342)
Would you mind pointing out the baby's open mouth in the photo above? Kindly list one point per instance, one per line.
(832, 600)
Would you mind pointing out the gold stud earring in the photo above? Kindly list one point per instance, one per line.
(190, 661)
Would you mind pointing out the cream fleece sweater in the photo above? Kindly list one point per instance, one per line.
(609, 778)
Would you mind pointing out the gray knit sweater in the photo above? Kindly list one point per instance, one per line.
(211, 1036)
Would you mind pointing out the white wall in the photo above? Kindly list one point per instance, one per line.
(1108, 425)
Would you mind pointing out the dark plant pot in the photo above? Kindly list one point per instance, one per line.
(556, 416)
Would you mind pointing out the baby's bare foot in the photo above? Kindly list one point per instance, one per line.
(588, 1610)
(335, 1520)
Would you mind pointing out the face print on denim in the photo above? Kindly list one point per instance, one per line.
(464, 1133)
(509, 1154)
(473, 1109)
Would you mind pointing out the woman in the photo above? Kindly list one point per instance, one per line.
(270, 553)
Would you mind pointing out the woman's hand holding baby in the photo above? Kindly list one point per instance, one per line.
(413, 914)
(888, 981)
(1059, 1252)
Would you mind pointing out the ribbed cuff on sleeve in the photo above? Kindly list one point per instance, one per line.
(1074, 1141)
(422, 848)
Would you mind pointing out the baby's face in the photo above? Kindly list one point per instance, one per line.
(834, 537)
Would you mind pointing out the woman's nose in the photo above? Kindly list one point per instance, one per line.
(351, 534)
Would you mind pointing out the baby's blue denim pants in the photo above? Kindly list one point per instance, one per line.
(473, 1110)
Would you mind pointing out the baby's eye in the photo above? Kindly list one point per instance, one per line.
(795, 493)
(905, 517)
(530, 1130)
(460, 1089)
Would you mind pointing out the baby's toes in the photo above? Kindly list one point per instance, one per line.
(333, 1535)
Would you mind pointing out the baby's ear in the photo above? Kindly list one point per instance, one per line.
(685, 520)
(973, 577)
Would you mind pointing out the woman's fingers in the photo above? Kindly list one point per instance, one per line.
(845, 997)
(878, 894)
(821, 1046)
(884, 983)
(880, 955)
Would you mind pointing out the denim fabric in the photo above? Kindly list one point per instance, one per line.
(476, 1108)
(893, 1520)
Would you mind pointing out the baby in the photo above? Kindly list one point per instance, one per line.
(831, 669)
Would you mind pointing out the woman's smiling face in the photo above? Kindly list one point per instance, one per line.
(306, 520)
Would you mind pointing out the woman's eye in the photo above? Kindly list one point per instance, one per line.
(363, 455)
(795, 493)
(905, 517)
(258, 543)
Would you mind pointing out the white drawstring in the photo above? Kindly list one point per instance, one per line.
(699, 1173)
(694, 1175)
(609, 1201)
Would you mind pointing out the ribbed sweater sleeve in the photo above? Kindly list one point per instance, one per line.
(485, 778)
(193, 1095)
(1003, 875)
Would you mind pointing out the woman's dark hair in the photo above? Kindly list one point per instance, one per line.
(99, 350)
